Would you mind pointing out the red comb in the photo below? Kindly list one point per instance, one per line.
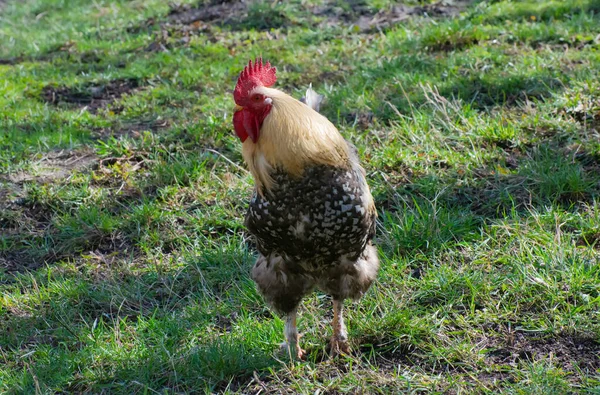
(253, 75)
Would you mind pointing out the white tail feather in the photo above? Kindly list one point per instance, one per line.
(312, 99)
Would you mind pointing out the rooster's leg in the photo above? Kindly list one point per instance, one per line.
(339, 340)
(291, 345)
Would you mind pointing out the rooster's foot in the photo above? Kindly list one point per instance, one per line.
(338, 346)
(293, 350)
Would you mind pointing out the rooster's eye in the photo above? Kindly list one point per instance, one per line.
(256, 98)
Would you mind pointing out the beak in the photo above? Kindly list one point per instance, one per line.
(237, 108)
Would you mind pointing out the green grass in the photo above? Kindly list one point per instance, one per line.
(123, 261)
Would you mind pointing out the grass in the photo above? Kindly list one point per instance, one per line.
(123, 262)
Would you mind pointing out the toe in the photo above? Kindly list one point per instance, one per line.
(291, 350)
(301, 354)
(338, 347)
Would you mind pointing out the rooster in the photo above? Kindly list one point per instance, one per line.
(312, 214)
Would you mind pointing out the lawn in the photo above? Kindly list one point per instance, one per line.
(124, 265)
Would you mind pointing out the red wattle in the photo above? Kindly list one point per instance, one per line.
(238, 125)
(246, 124)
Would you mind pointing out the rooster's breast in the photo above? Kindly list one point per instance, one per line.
(317, 218)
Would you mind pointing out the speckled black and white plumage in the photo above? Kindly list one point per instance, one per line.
(314, 231)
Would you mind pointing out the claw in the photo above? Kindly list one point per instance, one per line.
(293, 351)
(339, 347)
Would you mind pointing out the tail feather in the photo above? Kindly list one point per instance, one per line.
(312, 99)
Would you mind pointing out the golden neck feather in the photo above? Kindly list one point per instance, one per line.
(292, 137)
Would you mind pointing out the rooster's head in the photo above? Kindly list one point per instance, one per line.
(252, 107)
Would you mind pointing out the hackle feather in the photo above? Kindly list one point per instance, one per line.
(292, 137)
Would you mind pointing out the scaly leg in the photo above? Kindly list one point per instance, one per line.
(291, 345)
(339, 340)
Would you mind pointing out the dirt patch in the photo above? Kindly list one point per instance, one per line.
(384, 375)
(30, 229)
(24, 219)
(92, 97)
(570, 352)
(185, 21)
(91, 241)
(239, 15)
(52, 167)
(365, 19)
(221, 14)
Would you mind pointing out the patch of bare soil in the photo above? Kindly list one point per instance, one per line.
(571, 353)
(225, 13)
(92, 97)
(51, 167)
(20, 218)
(54, 166)
(366, 20)
(185, 21)
(92, 242)
(240, 14)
